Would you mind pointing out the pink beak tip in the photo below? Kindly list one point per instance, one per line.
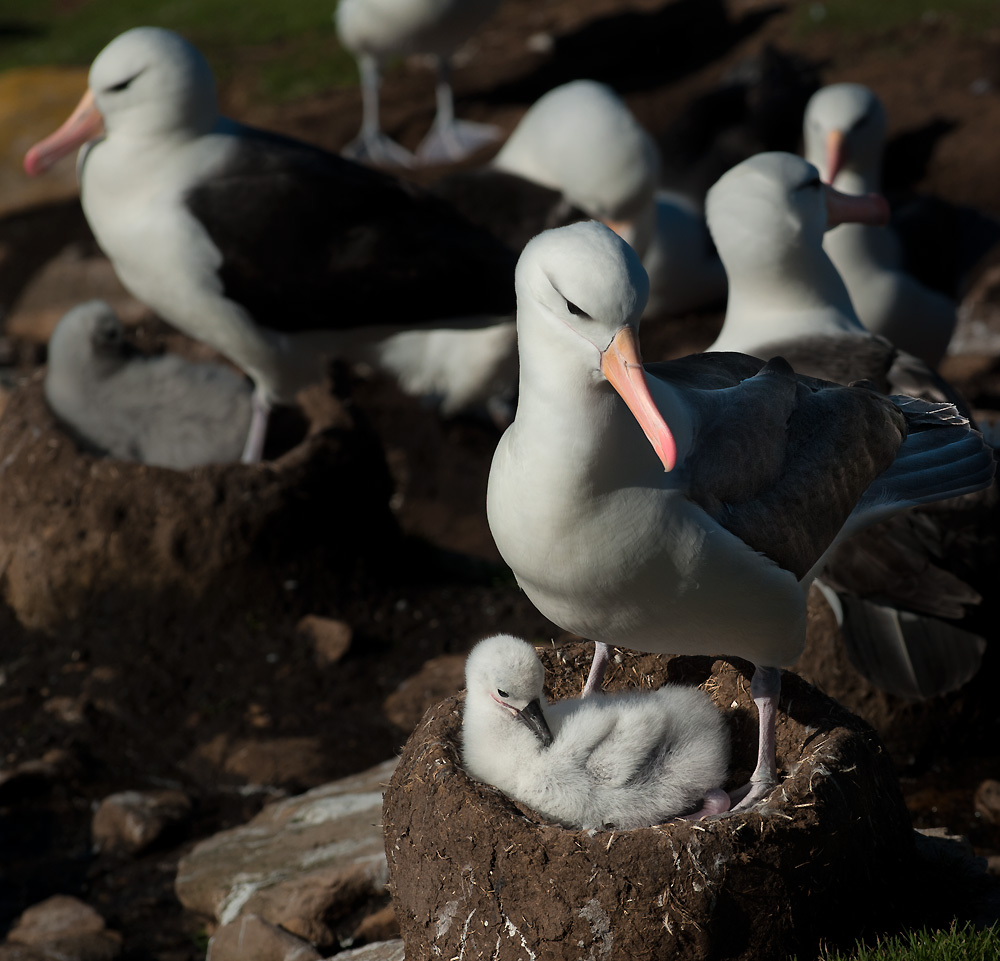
(31, 165)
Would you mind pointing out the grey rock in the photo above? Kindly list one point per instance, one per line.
(313, 864)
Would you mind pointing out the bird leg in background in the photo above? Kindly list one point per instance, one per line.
(597, 668)
(371, 145)
(253, 450)
(450, 140)
(765, 689)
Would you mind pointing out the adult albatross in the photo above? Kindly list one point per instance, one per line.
(907, 588)
(844, 134)
(274, 252)
(702, 535)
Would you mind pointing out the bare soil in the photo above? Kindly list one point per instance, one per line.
(235, 697)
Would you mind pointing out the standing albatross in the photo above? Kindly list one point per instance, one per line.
(274, 252)
(374, 31)
(703, 535)
(905, 586)
(844, 134)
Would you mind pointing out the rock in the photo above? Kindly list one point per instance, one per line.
(380, 926)
(86, 539)
(313, 864)
(31, 777)
(987, 801)
(440, 677)
(251, 938)
(330, 637)
(473, 874)
(61, 929)
(132, 821)
(379, 951)
(286, 761)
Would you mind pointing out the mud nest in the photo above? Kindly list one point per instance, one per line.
(87, 537)
(474, 874)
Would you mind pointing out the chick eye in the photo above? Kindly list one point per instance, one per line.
(810, 184)
(573, 309)
(502, 693)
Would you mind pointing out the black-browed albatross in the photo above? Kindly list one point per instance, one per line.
(274, 252)
(904, 589)
(701, 536)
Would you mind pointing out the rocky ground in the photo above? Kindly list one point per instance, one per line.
(159, 685)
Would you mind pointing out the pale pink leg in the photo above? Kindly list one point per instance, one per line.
(766, 689)
(598, 666)
(253, 449)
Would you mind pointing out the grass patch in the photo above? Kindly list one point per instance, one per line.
(963, 943)
(290, 46)
(856, 17)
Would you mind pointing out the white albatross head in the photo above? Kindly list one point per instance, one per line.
(582, 140)
(581, 290)
(844, 129)
(147, 83)
(769, 208)
(504, 681)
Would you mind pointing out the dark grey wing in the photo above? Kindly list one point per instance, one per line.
(311, 240)
(870, 358)
(508, 206)
(782, 459)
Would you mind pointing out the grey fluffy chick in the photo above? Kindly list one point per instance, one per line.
(619, 760)
(163, 410)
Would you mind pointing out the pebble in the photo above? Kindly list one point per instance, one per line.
(132, 821)
(987, 801)
(331, 638)
(63, 928)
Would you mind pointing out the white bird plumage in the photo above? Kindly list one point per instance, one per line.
(375, 30)
(581, 139)
(765, 472)
(621, 760)
(162, 410)
(844, 132)
(274, 252)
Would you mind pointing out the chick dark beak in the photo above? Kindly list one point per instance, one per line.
(533, 717)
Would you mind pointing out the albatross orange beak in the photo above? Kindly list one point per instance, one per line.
(841, 208)
(621, 363)
(836, 154)
(84, 123)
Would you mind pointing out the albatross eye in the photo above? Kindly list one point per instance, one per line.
(123, 85)
(576, 311)
(502, 693)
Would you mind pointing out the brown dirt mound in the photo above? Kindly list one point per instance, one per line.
(474, 874)
(84, 537)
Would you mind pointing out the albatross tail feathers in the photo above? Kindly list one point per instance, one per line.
(910, 655)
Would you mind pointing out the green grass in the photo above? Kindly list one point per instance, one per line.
(870, 16)
(289, 46)
(957, 944)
